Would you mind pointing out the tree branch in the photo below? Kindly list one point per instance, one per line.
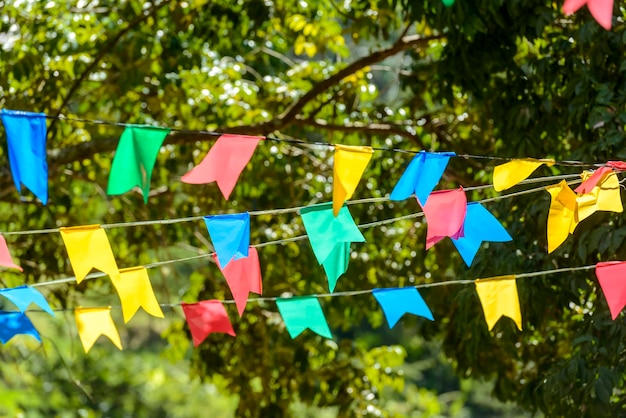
(367, 128)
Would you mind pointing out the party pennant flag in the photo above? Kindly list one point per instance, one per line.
(617, 165)
(604, 196)
(509, 174)
(422, 175)
(479, 226)
(445, 214)
(26, 141)
(562, 214)
(350, 163)
(224, 162)
(134, 159)
(135, 291)
(243, 276)
(94, 322)
(88, 247)
(601, 10)
(498, 297)
(592, 179)
(612, 279)
(23, 296)
(207, 317)
(230, 235)
(300, 313)
(15, 323)
(5, 256)
(330, 238)
(395, 302)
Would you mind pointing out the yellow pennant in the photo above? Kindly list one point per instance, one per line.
(350, 163)
(135, 291)
(509, 174)
(94, 322)
(498, 296)
(604, 196)
(562, 216)
(88, 247)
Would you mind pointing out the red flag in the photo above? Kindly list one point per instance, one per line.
(601, 10)
(618, 165)
(445, 214)
(243, 276)
(206, 317)
(5, 256)
(587, 185)
(612, 279)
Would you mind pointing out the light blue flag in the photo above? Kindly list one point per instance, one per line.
(14, 323)
(395, 302)
(26, 140)
(480, 225)
(421, 176)
(300, 313)
(23, 296)
(230, 235)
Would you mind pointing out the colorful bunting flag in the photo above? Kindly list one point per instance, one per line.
(479, 226)
(395, 302)
(592, 180)
(350, 163)
(135, 291)
(94, 322)
(330, 238)
(300, 313)
(23, 296)
(230, 235)
(604, 196)
(612, 279)
(5, 256)
(243, 276)
(509, 174)
(224, 162)
(421, 176)
(15, 323)
(26, 141)
(206, 317)
(498, 297)
(445, 215)
(88, 247)
(562, 214)
(134, 159)
(601, 10)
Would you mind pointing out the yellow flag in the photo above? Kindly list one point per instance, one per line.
(509, 174)
(604, 196)
(88, 247)
(135, 291)
(94, 322)
(350, 163)
(498, 296)
(562, 215)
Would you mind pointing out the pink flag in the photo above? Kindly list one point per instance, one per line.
(612, 279)
(601, 10)
(617, 165)
(5, 256)
(206, 317)
(243, 276)
(224, 162)
(445, 214)
(587, 185)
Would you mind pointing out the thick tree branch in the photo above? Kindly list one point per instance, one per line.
(366, 128)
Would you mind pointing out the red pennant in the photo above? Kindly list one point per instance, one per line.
(224, 162)
(5, 256)
(206, 317)
(445, 214)
(618, 165)
(587, 185)
(612, 279)
(601, 10)
(243, 276)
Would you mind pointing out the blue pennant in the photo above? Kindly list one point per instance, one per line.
(14, 323)
(421, 176)
(23, 296)
(230, 235)
(395, 302)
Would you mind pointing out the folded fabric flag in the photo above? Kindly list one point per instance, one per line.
(612, 279)
(509, 174)
(479, 226)
(88, 247)
(224, 162)
(421, 176)
(135, 291)
(562, 214)
(243, 276)
(230, 235)
(445, 214)
(601, 10)
(15, 323)
(591, 180)
(206, 317)
(605, 195)
(26, 142)
(5, 256)
(23, 296)
(498, 297)
(395, 302)
(94, 322)
(350, 163)
(134, 159)
(300, 313)
(330, 237)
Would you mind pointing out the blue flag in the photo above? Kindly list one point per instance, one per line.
(300, 313)
(230, 235)
(480, 225)
(395, 302)
(23, 296)
(26, 141)
(421, 176)
(14, 323)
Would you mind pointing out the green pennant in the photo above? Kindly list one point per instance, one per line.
(300, 313)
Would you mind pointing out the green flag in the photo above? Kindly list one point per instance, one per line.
(300, 313)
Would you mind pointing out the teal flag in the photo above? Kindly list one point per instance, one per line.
(134, 159)
(300, 313)
(330, 238)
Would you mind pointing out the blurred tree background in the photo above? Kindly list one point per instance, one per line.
(493, 78)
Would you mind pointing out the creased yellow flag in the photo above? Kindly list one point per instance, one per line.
(135, 291)
(562, 215)
(509, 174)
(88, 247)
(350, 163)
(498, 296)
(605, 196)
(94, 322)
